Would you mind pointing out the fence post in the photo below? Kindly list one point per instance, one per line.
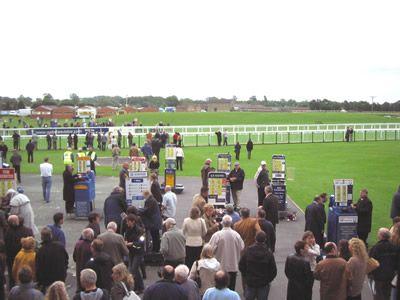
(375, 135)
(301, 137)
(312, 136)
(276, 137)
(365, 135)
(209, 140)
(288, 137)
(139, 141)
(385, 135)
(323, 137)
(263, 138)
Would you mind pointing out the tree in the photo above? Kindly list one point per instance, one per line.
(74, 98)
(48, 99)
(21, 104)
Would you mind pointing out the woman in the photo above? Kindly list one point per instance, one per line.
(68, 190)
(205, 268)
(211, 224)
(57, 291)
(194, 230)
(155, 188)
(357, 266)
(344, 251)
(25, 257)
(123, 283)
(154, 164)
(313, 249)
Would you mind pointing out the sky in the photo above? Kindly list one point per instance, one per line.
(340, 50)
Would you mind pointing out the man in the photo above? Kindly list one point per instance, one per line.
(48, 140)
(169, 202)
(75, 138)
(123, 174)
(29, 149)
(395, 211)
(236, 179)
(247, 227)
(262, 180)
(151, 218)
(219, 137)
(258, 268)
(225, 138)
(46, 171)
(119, 138)
(147, 151)
(69, 141)
(3, 150)
(15, 160)
(230, 211)
(102, 264)
(130, 139)
(333, 274)
(69, 158)
(88, 279)
(114, 207)
(179, 157)
(104, 140)
(190, 287)
(69, 180)
(82, 253)
(199, 200)
(16, 137)
(237, 150)
(268, 228)
(364, 212)
(25, 289)
(387, 256)
(54, 141)
(299, 274)
(156, 146)
(228, 246)
(93, 158)
(315, 220)
(173, 244)
(94, 223)
(204, 172)
(271, 206)
(113, 244)
(249, 148)
(56, 231)
(221, 289)
(51, 261)
(115, 153)
(165, 288)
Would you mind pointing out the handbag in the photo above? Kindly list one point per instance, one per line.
(372, 264)
(129, 295)
(197, 278)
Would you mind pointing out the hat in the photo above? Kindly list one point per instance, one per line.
(170, 221)
(20, 190)
(237, 163)
(263, 163)
(208, 161)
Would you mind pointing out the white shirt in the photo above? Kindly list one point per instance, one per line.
(179, 152)
(169, 202)
(46, 169)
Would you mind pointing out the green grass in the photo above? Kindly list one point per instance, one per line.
(311, 169)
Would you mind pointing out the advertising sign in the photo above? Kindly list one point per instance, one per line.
(170, 153)
(7, 180)
(278, 164)
(217, 183)
(135, 185)
(83, 164)
(224, 162)
(170, 178)
(138, 164)
(66, 131)
(343, 191)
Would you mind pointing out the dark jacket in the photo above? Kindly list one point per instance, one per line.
(155, 190)
(315, 218)
(68, 190)
(132, 235)
(51, 263)
(113, 207)
(364, 212)
(249, 146)
(102, 265)
(237, 148)
(123, 174)
(395, 211)
(204, 174)
(300, 278)
(16, 159)
(271, 206)
(82, 254)
(165, 290)
(95, 227)
(30, 147)
(269, 230)
(118, 291)
(12, 240)
(238, 183)
(151, 216)
(97, 294)
(263, 179)
(25, 291)
(387, 255)
(258, 265)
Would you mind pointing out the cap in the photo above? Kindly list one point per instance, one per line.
(237, 163)
(263, 162)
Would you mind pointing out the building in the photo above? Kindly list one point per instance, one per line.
(127, 110)
(86, 112)
(43, 111)
(63, 112)
(106, 111)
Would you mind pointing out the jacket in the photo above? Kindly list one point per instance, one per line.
(395, 211)
(268, 228)
(199, 202)
(263, 179)
(114, 206)
(114, 246)
(118, 291)
(300, 278)
(97, 294)
(166, 290)
(237, 148)
(123, 174)
(155, 190)
(57, 233)
(238, 183)
(357, 271)
(81, 255)
(173, 244)
(24, 258)
(68, 189)
(51, 263)
(204, 174)
(12, 240)
(247, 228)
(207, 268)
(258, 265)
(151, 215)
(211, 227)
(249, 146)
(194, 231)
(387, 255)
(315, 218)
(271, 207)
(26, 292)
(21, 206)
(102, 264)
(132, 235)
(364, 211)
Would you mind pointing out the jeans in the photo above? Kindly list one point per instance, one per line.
(383, 289)
(260, 293)
(46, 187)
(134, 264)
(179, 163)
(30, 157)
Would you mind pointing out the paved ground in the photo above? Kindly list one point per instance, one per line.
(287, 232)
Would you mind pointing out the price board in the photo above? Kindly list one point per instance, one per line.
(138, 164)
(343, 191)
(135, 185)
(217, 183)
(170, 153)
(224, 162)
(170, 178)
(83, 164)
(7, 180)
(278, 164)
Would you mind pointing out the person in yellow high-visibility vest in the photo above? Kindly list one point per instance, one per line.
(93, 157)
(81, 153)
(68, 157)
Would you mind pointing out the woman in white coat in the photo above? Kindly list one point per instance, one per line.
(20, 205)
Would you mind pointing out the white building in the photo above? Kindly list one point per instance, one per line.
(86, 112)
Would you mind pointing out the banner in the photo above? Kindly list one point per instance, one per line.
(7, 180)
(66, 130)
(217, 183)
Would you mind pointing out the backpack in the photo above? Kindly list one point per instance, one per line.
(129, 295)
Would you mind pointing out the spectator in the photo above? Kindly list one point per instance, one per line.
(54, 141)
(395, 211)
(236, 179)
(194, 229)
(89, 280)
(92, 155)
(16, 138)
(271, 206)
(115, 153)
(123, 283)
(230, 211)
(154, 164)
(386, 254)
(151, 218)
(228, 245)
(82, 253)
(51, 261)
(204, 172)
(25, 257)
(205, 268)
(225, 134)
(133, 150)
(130, 139)
(357, 267)
(104, 140)
(173, 244)
(94, 223)
(29, 149)
(258, 268)
(395, 221)
(48, 140)
(57, 291)
(299, 274)
(21, 206)
(169, 202)
(219, 137)
(147, 151)
(155, 188)
(25, 289)
(212, 225)
(237, 150)
(262, 180)
(249, 148)
(333, 274)
(313, 252)
(46, 172)
(343, 250)
(268, 228)
(179, 157)
(221, 290)
(199, 200)
(189, 286)
(247, 227)
(113, 244)
(102, 264)
(3, 150)
(56, 231)
(16, 160)
(364, 212)
(165, 288)
(316, 219)
(123, 174)
(68, 189)
(114, 206)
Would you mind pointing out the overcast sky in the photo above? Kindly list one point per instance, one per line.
(340, 50)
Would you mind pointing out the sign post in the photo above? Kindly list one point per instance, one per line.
(137, 182)
(224, 163)
(7, 180)
(279, 180)
(217, 184)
